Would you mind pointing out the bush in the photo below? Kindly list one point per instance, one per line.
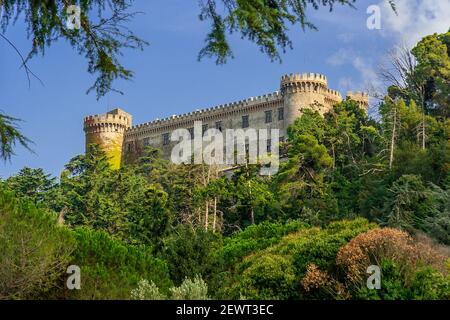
(426, 284)
(190, 251)
(410, 269)
(272, 277)
(34, 250)
(376, 246)
(255, 237)
(196, 289)
(146, 291)
(275, 272)
(110, 269)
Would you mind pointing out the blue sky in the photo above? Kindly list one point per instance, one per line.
(169, 79)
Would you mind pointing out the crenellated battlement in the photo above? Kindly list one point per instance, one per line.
(115, 118)
(212, 111)
(115, 121)
(306, 82)
(333, 94)
(304, 77)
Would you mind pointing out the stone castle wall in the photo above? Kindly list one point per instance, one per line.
(114, 132)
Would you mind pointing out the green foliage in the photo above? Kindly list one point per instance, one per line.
(411, 204)
(35, 185)
(34, 250)
(275, 272)
(427, 284)
(246, 198)
(120, 202)
(190, 251)
(146, 291)
(271, 278)
(110, 269)
(255, 238)
(150, 219)
(196, 289)
(433, 70)
(10, 136)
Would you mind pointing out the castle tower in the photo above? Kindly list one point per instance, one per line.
(305, 90)
(108, 131)
(361, 97)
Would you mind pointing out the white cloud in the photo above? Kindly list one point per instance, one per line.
(415, 19)
(365, 68)
(340, 57)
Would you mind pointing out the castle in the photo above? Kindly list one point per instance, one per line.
(122, 141)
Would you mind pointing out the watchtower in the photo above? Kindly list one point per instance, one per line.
(307, 90)
(108, 131)
(361, 97)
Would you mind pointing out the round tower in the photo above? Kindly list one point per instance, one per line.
(308, 90)
(107, 131)
(362, 98)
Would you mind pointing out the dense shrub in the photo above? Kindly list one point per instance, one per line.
(275, 272)
(255, 237)
(189, 251)
(110, 269)
(147, 291)
(196, 289)
(34, 249)
(372, 247)
(410, 269)
(426, 284)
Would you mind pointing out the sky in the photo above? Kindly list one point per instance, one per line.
(170, 80)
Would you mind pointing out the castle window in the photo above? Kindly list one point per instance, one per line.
(130, 147)
(245, 122)
(166, 139)
(146, 142)
(269, 145)
(280, 114)
(219, 125)
(268, 116)
(204, 128)
(191, 132)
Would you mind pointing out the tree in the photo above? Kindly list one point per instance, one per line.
(433, 70)
(300, 182)
(34, 250)
(149, 218)
(92, 193)
(190, 251)
(248, 198)
(33, 184)
(10, 136)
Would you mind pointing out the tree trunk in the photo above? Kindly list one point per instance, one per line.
(206, 215)
(215, 214)
(394, 132)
